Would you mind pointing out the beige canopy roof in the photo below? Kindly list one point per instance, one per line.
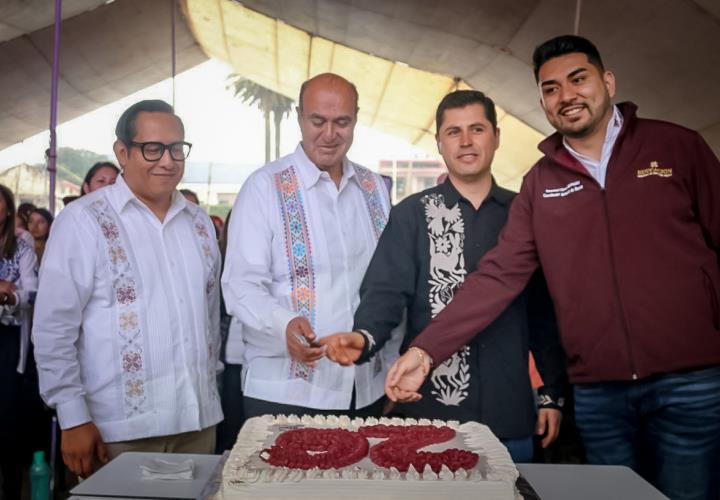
(394, 97)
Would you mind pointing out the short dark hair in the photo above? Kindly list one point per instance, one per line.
(462, 98)
(94, 170)
(565, 44)
(8, 242)
(125, 129)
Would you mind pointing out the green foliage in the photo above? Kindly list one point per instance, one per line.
(220, 210)
(73, 164)
(268, 101)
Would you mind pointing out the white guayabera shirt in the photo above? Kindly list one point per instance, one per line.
(126, 326)
(298, 245)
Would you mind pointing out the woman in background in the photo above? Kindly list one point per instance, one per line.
(39, 224)
(21, 409)
(102, 174)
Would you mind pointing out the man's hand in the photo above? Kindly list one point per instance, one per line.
(301, 343)
(548, 423)
(344, 348)
(406, 376)
(79, 445)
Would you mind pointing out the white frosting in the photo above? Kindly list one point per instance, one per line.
(246, 472)
(428, 474)
(445, 473)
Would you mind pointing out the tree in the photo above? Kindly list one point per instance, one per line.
(268, 101)
(73, 164)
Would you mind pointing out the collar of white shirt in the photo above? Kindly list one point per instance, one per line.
(310, 174)
(120, 195)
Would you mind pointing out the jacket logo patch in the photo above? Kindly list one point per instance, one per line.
(654, 169)
(571, 188)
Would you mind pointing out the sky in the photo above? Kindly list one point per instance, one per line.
(220, 127)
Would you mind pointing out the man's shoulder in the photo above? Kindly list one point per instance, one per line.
(661, 129)
(505, 195)
(85, 205)
(266, 174)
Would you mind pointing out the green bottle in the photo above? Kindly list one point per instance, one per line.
(39, 477)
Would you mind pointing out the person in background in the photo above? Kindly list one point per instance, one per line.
(219, 226)
(231, 354)
(20, 406)
(22, 214)
(39, 224)
(101, 174)
(190, 196)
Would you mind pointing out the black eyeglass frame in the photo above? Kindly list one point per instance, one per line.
(168, 147)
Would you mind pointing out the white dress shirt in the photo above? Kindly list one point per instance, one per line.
(126, 326)
(342, 234)
(598, 168)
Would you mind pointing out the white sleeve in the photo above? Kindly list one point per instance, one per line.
(66, 284)
(26, 285)
(247, 279)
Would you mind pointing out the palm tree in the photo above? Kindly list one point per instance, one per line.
(267, 101)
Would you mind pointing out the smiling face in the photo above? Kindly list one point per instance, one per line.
(467, 142)
(576, 95)
(152, 181)
(327, 120)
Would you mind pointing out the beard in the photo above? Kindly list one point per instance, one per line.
(589, 127)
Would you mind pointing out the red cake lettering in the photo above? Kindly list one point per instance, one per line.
(400, 449)
(321, 448)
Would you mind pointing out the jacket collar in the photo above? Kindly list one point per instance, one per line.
(552, 147)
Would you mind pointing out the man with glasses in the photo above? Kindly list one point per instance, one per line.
(126, 324)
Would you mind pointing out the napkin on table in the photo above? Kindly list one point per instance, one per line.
(156, 468)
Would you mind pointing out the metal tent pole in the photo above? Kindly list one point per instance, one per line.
(52, 151)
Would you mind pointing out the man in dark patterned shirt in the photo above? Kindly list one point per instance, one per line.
(432, 241)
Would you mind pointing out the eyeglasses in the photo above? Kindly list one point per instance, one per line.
(153, 151)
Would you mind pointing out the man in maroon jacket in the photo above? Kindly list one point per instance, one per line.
(623, 214)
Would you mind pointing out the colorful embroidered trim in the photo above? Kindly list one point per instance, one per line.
(373, 199)
(130, 334)
(299, 254)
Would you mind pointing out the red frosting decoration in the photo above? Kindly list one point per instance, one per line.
(401, 448)
(335, 448)
(321, 448)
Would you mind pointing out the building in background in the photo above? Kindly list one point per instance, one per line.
(29, 184)
(216, 184)
(411, 176)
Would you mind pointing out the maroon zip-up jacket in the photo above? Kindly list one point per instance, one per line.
(633, 269)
